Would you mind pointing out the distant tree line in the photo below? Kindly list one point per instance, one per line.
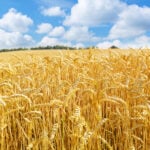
(113, 47)
(13, 49)
(41, 48)
(56, 47)
(60, 47)
(53, 47)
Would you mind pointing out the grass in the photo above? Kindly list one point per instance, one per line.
(75, 100)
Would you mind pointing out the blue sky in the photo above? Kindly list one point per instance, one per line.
(80, 23)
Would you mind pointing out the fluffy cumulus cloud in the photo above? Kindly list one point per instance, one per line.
(132, 22)
(127, 25)
(79, 45)
(80, 34)
(48, 29)
(57, 31)
(13, 28)
(14, 21)
(94, 12)
(142, 41)
(14, 40)
(127, 22)
(53, 11)
(44, 28)
(75, 34)
(49, 41)
(108, 44)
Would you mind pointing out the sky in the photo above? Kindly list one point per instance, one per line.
(77, 23)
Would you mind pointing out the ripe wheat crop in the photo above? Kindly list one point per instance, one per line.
(75, 100)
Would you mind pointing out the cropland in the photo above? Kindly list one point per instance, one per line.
(75, 100)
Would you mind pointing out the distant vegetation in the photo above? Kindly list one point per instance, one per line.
(14, 49)
(113, 47)
(53, 47)
(56, 47)
(40, 47)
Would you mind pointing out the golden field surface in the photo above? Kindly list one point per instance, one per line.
(75, 100)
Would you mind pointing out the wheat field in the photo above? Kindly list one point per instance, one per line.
(75, 100)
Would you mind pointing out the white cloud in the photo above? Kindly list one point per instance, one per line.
(139, 42)
(142, 41)
(129, 22)
(94, 12)
(14, 40)
(13, 26)
(44, 28)
(79, 45)
(80, 34)
(53, 11)
(57, 31)
(48, 41)
(108, 44)
(14, 21)
(28, 38)
(133, 21)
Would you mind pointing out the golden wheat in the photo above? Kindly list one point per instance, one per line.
(68, 100)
